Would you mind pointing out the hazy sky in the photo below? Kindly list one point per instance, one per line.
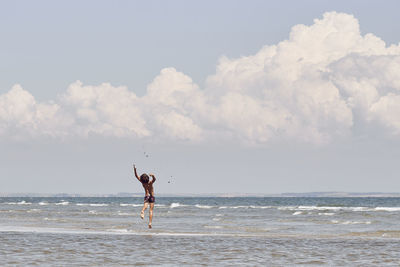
(211, 96)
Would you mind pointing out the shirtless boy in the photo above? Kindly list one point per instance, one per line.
(149, 193)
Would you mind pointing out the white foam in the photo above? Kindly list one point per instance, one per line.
(98, 205)
(235, 207)
(356, 222)
(93, 204)
(319, 208)
(246, 207)
(213, 227)
(326, 208)
(23, 202)
(43, 203)
(360, 209)
(131, 205)
(297, 213)
(350, 222)
(287, 208)
(118, 230)
(333, 208)
(203, 206)
(175, 205)
(391, 209)
(326, 213)
(261, 207)
(63, 203)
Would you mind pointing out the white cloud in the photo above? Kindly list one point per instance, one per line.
(21, 115)
(170, 106)
(387, 111)
(104, 110)
(316, 86)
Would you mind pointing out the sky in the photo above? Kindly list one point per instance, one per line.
(227, 97)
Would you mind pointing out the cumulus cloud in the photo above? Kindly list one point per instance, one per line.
(21, 115)
(104, 110)
(319, 84)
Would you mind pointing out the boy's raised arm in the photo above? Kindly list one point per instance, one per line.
(134, 168)
(153, 178)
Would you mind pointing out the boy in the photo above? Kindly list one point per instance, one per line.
(149, 193)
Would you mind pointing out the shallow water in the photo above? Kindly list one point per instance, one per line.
(200, 231)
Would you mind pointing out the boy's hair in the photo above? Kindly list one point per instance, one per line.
(144, 178)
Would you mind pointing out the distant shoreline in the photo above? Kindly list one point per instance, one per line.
(222, 195)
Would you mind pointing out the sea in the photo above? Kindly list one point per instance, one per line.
(200, 231)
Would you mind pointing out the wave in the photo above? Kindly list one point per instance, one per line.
(232, 207)
(131, 205)
(289, 208)
(175, 205)
(318, 208)
(333, 208)
(246, 207)
(203, 206)
(326, 213)
(391, 209)
(93, 204)
(63, 203)
(23, 202)
(350, 222)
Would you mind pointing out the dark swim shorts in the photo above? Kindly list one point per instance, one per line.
(149, 199)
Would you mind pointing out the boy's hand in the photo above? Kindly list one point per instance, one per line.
(151, 174)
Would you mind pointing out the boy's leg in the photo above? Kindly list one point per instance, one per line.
(143, 209)
(151, 214)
